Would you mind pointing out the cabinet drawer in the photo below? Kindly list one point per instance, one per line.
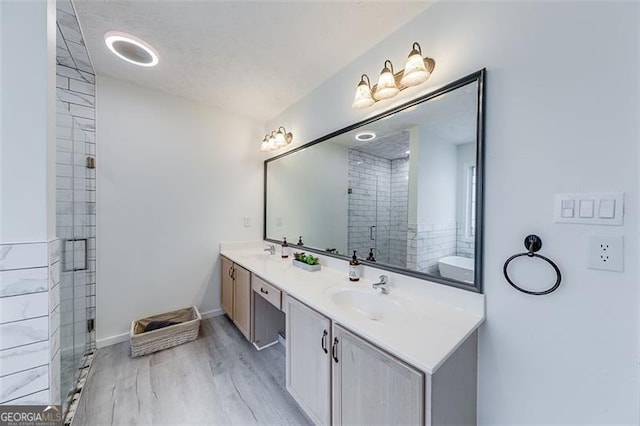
(266, 290)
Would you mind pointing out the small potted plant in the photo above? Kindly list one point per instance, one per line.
(306, 262)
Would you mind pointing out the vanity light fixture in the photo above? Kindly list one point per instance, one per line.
(386, 87)
(131, 49)
(364, 97)
(417, 70)
(365, 136)
(276, 140)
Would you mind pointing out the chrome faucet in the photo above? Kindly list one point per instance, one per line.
(383, 284)
(271, 249)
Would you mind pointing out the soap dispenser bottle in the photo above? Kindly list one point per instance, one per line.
(371, 257)
(354, 268)
(285, 248)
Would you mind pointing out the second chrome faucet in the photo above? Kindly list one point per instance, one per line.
(383, 285)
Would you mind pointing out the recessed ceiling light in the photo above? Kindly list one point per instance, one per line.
(131, 49)
(365, 136)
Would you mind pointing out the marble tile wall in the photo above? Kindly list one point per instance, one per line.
(426, 243)
(25, 324)
(75, 77)
(464, 246)
(398, 219)
(55, 256)
(369, 204)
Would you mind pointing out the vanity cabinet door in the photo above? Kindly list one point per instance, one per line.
(372, 387)
(308, 360)
(242, 300)
(226, 287)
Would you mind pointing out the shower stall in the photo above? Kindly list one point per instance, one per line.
(75, 203)
(378, 204)
(75, 220)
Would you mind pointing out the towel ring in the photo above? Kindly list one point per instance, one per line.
(533, 243)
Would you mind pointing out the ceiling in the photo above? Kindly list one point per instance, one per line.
(255, 58)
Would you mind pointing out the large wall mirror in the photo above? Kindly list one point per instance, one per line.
(404, 186)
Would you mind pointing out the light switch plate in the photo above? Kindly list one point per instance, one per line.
(246, 221)
(590, 208)
(606, 253)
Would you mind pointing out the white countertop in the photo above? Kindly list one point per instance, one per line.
(435, 321)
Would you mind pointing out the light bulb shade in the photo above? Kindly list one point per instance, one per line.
(387, 87)
(272, 142)
(280, 139)
(264, 146)
(363, 98)
(415, 72)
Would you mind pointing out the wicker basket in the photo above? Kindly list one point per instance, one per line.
(143, 343)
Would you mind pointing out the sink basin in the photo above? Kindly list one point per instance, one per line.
(370, 304)
(262, 256)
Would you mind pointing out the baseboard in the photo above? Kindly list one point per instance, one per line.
(112, 340)
(119, 338)
(212, 313)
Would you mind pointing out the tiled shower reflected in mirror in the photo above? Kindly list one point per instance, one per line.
(75, 203)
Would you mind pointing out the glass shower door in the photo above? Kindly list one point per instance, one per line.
(75, 214)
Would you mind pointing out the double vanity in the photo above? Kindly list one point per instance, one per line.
(355, 355)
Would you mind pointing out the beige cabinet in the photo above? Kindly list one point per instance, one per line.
(226, 287)
(242, 300)
(308, 360)
(235, 295)
(371, 386)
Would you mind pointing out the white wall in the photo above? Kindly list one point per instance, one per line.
(435, 178)
(175, 178)
(29, 254)
(562, 112)
(27, 122)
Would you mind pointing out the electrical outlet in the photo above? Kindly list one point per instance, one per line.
(606, 253)
(247, 222)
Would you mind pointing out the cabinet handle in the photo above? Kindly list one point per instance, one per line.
(334, 349)
(262, 290)
(230, 273)
(324, 341)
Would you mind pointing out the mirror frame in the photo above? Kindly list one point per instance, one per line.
(477, 286)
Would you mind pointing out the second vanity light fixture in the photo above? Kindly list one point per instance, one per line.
(417, 70)
(276, 140)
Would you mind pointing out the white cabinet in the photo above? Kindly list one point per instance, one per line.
(340, 378)
(308, 360)
(371, 386)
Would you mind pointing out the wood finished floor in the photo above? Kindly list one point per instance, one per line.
(219, 379)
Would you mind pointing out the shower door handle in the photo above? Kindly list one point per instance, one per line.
(86, 255)
(371, 228)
